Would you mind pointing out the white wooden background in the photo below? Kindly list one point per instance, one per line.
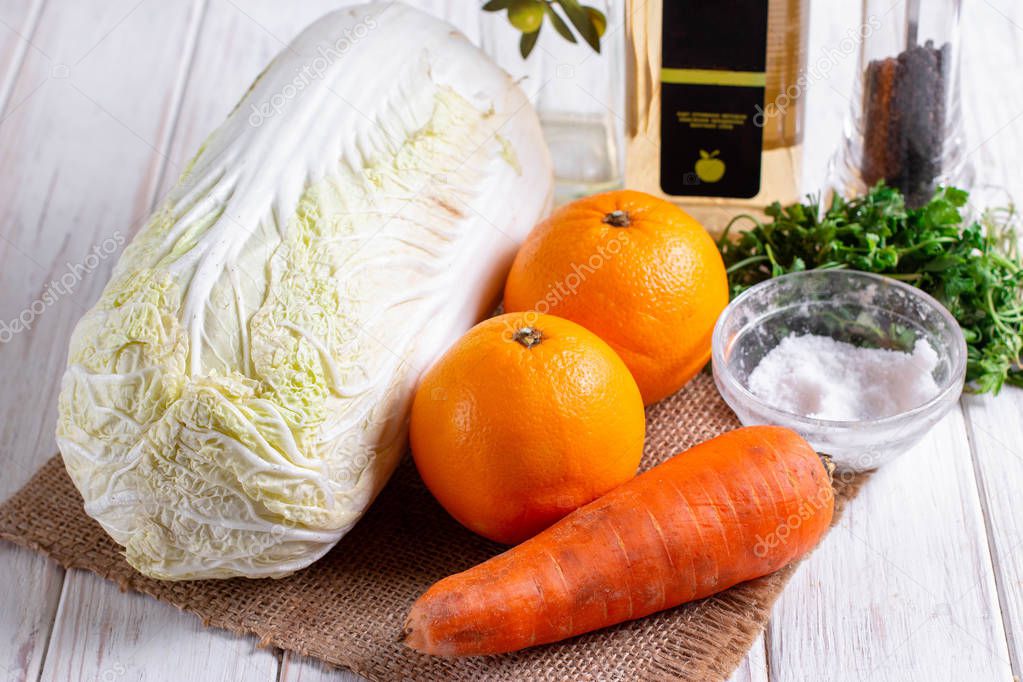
(101, 101)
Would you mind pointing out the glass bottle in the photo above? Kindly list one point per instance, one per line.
(731, 92)
(577, 93)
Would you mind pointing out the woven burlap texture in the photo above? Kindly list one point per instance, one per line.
(348, 608)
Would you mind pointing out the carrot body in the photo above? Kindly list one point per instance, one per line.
(734, 508)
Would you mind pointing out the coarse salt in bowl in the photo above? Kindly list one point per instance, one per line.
(876, 315)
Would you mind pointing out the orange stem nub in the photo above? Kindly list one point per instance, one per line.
(618, 219)
(528, 336)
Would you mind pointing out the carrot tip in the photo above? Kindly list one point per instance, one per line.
(411, 637)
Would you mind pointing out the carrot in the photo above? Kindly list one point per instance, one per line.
(734, 508)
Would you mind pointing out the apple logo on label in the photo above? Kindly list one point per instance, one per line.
(709, 168)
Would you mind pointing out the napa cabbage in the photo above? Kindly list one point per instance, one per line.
(239, 394)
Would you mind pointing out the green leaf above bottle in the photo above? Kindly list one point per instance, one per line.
(527, 17)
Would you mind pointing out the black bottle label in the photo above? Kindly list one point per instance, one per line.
(712, 97)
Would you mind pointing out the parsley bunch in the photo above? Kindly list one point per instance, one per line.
(971, 266)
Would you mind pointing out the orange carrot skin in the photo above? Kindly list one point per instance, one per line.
(734, 508)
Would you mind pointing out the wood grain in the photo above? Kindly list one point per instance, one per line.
(754, 667)
(18, 21)
(34, 587)
(996, 436)
(300, 669)
(106, 635)
(31, 594)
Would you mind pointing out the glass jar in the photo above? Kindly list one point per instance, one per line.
(905, 126)
(578, 94)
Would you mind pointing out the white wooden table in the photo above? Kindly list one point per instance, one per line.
(101, 102)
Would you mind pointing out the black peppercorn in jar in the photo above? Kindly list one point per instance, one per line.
(906, 128)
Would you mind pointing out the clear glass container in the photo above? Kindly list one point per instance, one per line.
(905, 125)
(578, 94)
(859, 308)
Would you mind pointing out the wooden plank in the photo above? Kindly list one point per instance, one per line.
(996, 436)
(903, 587)
(17, 27)
(104, 634)
(754, 667)
(993, 45)
(33, 584)
(296, 668)
(17, 24)
(31, 592)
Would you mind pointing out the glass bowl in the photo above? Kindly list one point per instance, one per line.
(860, 308)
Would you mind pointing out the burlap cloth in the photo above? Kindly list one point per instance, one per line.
(348, 608)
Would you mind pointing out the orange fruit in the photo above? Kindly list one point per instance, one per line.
(519, 424)
(637, 271)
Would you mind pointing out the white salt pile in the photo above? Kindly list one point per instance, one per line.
(820, 377)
